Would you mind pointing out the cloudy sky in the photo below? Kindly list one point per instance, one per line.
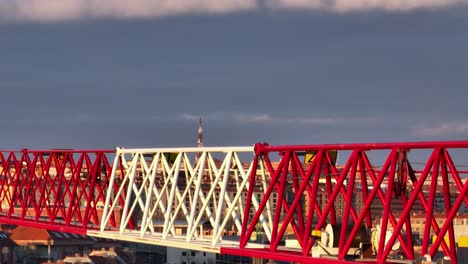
(100, 74)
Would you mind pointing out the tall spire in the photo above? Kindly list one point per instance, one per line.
(200, 134)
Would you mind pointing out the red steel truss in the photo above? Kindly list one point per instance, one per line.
(396, 178)
(66, 190)
(61, 190)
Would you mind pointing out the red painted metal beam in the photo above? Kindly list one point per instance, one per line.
(45, 225)
(393, 174)
(365, 146)
(53, 188)
(61, 189)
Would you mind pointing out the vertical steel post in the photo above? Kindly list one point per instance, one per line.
(110, 190)
(295, 182)
(430, 208)
(312, 197)
(448, 207)
(283, 179)
(245, 233)
(387, 208)
(348, 205)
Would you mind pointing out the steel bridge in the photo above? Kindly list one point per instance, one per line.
(258, 201)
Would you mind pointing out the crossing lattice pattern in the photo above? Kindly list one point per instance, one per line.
(59, 190)
(397, 176)
(202, 187)
(243, 200)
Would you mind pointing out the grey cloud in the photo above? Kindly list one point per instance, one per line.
(359, 5)
(47, 10)
(269, 119)
(442, 129)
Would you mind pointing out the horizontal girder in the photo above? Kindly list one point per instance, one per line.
(245, 200)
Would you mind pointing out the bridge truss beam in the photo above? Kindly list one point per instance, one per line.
(244, 200)
(394, 181)
(60, 190)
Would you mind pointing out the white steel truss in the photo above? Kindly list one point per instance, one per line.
(193, 193)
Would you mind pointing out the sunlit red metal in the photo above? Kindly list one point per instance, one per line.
(60, 190)
(398, 173)
(64, 190)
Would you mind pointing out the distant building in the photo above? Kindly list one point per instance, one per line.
(38, 245)
(7, 247)
(185, 256)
